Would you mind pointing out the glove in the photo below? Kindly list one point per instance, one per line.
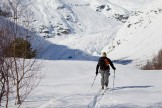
(96, 73)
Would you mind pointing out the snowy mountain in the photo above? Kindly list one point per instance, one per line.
(62, 17)
(76, 29)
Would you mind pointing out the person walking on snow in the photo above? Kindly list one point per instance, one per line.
(104, 69)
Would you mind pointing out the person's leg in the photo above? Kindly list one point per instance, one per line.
(106, 78)
(102, 78)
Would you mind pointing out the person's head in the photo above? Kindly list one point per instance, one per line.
(104, 54)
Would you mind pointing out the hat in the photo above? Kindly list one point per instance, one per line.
(104, 54)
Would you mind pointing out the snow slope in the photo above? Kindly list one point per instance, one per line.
(67, 84)
(140, 37)
(68, 15)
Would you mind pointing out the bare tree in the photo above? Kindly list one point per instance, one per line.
(22, 73)
(5, 66)
(3, 82)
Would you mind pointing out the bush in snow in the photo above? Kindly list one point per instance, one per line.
(20, 48)
(155, 63)
(5, 13)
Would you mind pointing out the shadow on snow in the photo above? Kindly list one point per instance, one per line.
(125, 87)
(123, 62)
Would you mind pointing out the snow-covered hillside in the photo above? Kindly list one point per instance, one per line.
(76, 29)
(140, 37)
(62, 17)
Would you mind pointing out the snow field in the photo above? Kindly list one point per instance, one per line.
(67, 84)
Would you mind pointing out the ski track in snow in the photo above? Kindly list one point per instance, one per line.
(99, 102)
(99, 97)
(95, 102)
(95, 99)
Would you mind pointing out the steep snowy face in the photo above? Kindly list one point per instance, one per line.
(63, 17)
(140, 37)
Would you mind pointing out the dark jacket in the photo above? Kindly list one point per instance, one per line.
(107, 67)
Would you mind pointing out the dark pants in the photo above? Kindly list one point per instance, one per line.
(104, 77)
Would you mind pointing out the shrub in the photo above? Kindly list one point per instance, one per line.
(5, 13)
(155, 63)
(20, 48)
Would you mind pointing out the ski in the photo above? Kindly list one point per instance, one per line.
(104, 91)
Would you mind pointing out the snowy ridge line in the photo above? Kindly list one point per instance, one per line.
(118, 6)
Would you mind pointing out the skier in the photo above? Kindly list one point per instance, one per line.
(103, 64)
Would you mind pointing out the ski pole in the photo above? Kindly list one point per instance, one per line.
(114, 80)
(93, 81)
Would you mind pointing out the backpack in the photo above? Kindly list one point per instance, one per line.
(103, 63)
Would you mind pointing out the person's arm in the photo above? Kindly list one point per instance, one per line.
(97, 67)
(111, 64)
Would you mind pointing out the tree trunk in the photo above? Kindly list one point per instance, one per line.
(17, 94)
